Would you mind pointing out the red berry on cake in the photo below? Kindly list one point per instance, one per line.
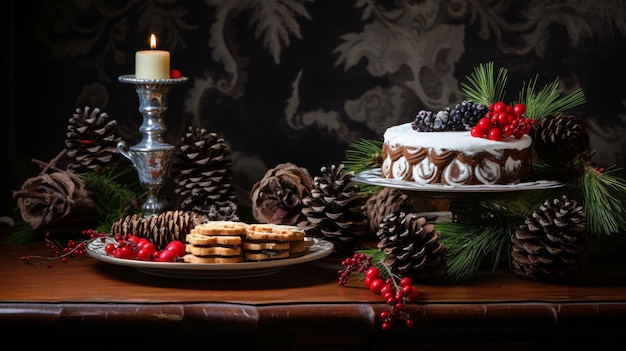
(495, 134)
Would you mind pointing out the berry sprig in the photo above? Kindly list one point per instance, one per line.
(132, 247)
(502, 120)
(62, 252)
(397, 293)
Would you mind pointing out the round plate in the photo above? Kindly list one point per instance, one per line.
(374, 177)
(316, 249)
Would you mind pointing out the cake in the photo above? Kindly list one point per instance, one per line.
(454, 157)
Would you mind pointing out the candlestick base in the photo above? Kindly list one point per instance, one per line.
(152, 156)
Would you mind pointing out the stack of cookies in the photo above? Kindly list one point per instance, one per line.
(272, 241)
(215, 242)
(232, 242)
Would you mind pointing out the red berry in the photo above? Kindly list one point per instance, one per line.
(166, 256)
(499, 107)
(372, 273)
(386, 289)
(406, 281)
(408, 323)
(519, 109)
(144, 254)
(108, 249)
(174, 73)
(484, 124)
(376, 285)
(503, 119)
(413, 295)
(476, 132)
(177, 247)
(495, 134)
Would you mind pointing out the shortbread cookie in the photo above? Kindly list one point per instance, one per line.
(297, 247)
(201, 239)
(213, 250)
(220, 228)
(266, 255)
(281, 236)
(212, 259)
(257, 246)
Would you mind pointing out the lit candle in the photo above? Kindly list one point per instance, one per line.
(152, 64)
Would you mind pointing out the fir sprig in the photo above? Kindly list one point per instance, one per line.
(604, 196)
(479, 237)
(113, 199)
(549, 99)
(362, 155)
(485, 88)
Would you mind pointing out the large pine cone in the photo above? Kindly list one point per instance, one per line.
(160, 228)
(553, 244)
(411, 246)
(91, 140)
(384, 203)
(203, 175)
(335, 210)
(277, 197)
(560, 138)
(55, 199)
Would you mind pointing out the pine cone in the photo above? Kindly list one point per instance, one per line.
(560, 138)
(160, 228)
(384, 203)
(58, 198)
(335, 210)
(553, 244)
(277, 197)
(203, 175)
(411, 246)
(91, 140)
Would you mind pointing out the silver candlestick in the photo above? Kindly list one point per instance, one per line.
(152, 156)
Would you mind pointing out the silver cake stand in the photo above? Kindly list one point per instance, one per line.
(152, 156)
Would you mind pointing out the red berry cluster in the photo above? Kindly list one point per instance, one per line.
(502, 120)
(62, 252)
(132, 247)
(396, 294)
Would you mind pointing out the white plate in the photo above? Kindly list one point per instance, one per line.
(374, 177)
(316, 249)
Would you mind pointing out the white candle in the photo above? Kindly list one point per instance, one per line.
(152, 64)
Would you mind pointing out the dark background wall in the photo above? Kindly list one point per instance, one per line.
(296, 81)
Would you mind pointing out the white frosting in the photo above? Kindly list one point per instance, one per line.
(400, 168)
(463, 174)
(386, 167)
(425, 171)
(404, 134)
(487, 173)
(511, 165)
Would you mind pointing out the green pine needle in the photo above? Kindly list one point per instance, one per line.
(113, 199)
(549, 99)
(362, 155)
(605, 199)
(485, 88)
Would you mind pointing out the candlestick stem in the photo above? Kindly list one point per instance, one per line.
(152, 156)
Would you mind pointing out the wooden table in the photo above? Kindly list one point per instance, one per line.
(89, 304)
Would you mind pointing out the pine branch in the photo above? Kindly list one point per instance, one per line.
(549, 99)
(485, 88)
(362, 155)
(604, 197)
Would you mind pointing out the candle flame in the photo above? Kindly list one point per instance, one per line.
(152, 41)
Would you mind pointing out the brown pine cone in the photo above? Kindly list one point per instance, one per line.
(277, 197)
(160, 228)
(334, 210)
(553, 243)
(411, 246)
(91, 140)
(384, 203)
(559, 138)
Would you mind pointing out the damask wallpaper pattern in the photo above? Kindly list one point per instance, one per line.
(299, 80)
